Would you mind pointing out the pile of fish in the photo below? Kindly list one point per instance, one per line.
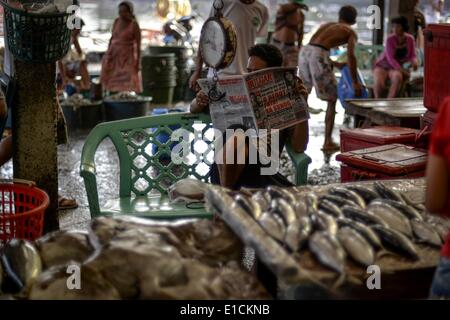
(354, 222)
(77, 100)
(125, 96)
(128, 258)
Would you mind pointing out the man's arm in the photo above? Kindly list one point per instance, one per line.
(197, 73)
(437, 184)
(352, 64)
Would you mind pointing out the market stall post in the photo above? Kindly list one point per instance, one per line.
(34, 132)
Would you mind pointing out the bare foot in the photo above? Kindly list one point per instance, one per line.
(331, 147)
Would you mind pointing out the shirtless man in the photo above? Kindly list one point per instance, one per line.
(288, 36)
(316, 67)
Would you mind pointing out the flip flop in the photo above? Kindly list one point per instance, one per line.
(66, 204)
(315, 111)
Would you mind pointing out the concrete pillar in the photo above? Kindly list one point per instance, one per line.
(34, 132)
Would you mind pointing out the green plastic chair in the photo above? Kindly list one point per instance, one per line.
(146, 168)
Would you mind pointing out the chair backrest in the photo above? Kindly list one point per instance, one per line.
(145, 146)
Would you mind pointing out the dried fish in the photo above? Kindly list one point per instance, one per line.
(284, 209)
(262, 199)
(60, 247)
(277, 192)
(251, 207)
(339, 201)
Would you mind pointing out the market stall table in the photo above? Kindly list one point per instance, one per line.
(403, 112)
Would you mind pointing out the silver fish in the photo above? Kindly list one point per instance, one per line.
(312, 201)
(361, 216)
(324, 222)
(391, 216)
(365, 231)
(262, 199)
(349, 195)
(408, 211)
(251, 207)
(273, 225)
(388, 193)
(328, 251)
(306, 228)
(22, 265)
(339, 201)
(283, 208)
(426, 233)
(366, 193)
(277, 192)
(292, 237)
(301, 209)
(330, 208)
(397, 241)
(356, 246)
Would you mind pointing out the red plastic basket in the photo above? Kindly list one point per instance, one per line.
(22, 208)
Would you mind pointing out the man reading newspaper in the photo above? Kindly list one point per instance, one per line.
(233, 174)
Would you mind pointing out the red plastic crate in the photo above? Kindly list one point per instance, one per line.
(353, 174)
(394, 161)
(437, 65)
(356, 139)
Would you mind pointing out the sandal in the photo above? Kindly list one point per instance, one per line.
(66, 204)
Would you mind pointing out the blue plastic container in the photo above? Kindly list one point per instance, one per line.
(345, 87)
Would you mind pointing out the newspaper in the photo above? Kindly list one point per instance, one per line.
(264, 99)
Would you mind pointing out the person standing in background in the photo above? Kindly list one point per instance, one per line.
(438, 194)
(434, 11)
(288, 35)
(251, 19)
(420, 24)
(121, 63)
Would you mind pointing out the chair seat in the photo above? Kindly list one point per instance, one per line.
(154, 207)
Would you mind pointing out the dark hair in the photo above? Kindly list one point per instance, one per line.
(403, 21)
(348, 14)
(269, 53)
(128, 6)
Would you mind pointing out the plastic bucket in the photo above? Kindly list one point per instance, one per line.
(119, 110)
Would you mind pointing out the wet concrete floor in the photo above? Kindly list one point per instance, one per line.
(323, 170)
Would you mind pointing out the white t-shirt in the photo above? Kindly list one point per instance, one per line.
(250, 21)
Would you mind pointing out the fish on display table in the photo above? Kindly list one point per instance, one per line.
(364, 230)
(330, 208)
(362, 216)
(366, 193)
(388, 193)
(328, 251)
(324, 222)
(425, 233)
(391, 216)
(397, 241)
(407, 210)
(356, 246)
(251, 207)
(21, 266)
(349, 195)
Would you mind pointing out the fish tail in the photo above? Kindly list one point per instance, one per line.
(384, 252)
(339, 281)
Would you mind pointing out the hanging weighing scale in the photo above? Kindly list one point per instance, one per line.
(218, 43)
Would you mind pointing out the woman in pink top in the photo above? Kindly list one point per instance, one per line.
(400, 49)
(121, 63)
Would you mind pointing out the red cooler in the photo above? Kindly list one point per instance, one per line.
(356, 139)
(395, 161)
(437, 65)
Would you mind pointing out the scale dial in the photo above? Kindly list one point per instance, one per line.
(218, 43)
